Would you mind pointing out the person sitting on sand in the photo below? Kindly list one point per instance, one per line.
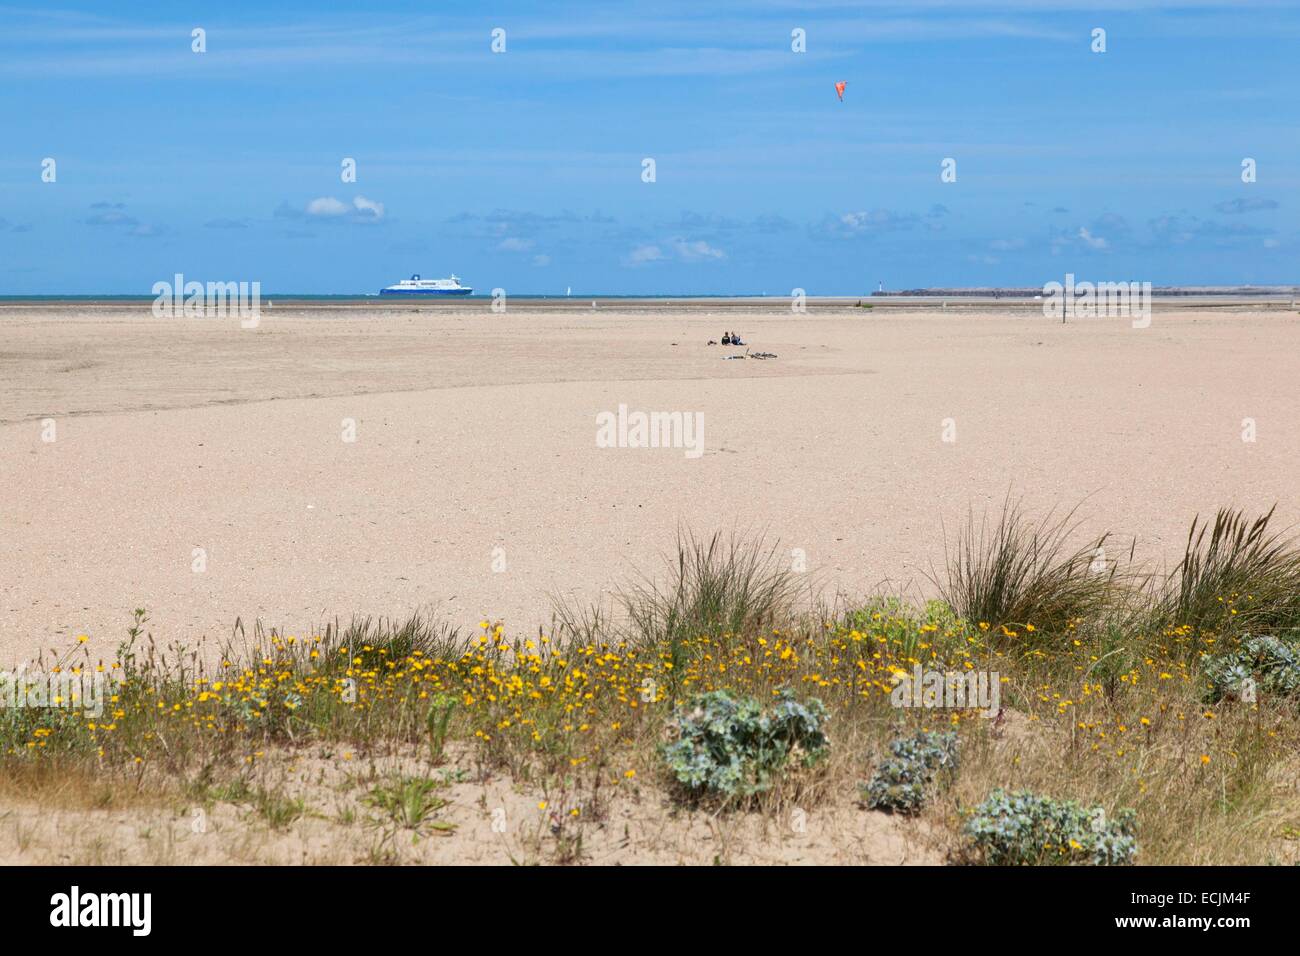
(726, 338)
(735, 339)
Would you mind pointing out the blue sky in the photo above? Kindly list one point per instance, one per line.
(523, 169)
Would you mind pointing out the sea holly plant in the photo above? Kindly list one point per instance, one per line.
(1025, 828)
(1261, 664)
(729, 746)
(903, 780)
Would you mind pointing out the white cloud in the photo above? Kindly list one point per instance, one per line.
(363, 209)
(864, 223)
(1093, 242)
(684, 250)
(327, 206)
(697, 251)
(515, 244)
(368, 207)
(643, 254)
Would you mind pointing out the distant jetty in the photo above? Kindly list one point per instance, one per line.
(1029, 292)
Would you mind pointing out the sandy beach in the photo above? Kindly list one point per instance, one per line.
(475, 488)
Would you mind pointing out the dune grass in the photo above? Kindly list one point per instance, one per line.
(1014, 571)
(1243, 577)
(715, 586)
(1103, 698)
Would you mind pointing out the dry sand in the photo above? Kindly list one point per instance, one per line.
(477, 431)
(490, 821)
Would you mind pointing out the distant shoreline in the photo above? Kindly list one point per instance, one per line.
(1180, 297)
(989, 292)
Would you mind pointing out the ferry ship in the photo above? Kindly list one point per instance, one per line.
(417, 286)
